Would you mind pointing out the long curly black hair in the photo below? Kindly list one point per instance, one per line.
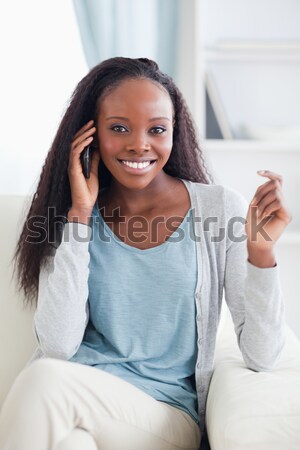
(186, 160)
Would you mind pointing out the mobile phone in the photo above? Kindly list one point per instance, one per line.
(86, 160)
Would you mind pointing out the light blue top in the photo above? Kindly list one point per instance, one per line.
(142, 324)
(253, 294)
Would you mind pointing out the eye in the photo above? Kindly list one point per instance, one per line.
(157, 130)
(117, 128)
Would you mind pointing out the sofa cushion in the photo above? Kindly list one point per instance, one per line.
(254, 410)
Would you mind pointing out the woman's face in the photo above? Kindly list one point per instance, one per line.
(135, 132)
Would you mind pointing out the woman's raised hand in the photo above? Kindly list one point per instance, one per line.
(84, 190)
(267, 218)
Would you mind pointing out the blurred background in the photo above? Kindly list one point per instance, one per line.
(237, 64)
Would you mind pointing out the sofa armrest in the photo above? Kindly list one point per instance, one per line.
(249, 410)
(17, 340)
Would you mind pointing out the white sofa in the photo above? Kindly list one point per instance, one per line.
(245, 410)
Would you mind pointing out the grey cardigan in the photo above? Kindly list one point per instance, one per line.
(252, 294)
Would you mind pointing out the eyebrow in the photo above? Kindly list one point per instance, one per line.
(127, 120)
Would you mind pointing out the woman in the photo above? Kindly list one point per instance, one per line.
(129, 287)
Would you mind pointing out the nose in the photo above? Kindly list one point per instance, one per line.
(138, 143)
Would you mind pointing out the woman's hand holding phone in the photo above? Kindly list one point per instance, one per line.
(84, 190)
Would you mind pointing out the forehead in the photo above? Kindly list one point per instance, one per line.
(140, 96)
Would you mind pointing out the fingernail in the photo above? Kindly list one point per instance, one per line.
(261, 171)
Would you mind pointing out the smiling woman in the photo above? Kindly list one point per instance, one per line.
(133, 319)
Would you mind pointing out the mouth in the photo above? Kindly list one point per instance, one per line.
(139, 166)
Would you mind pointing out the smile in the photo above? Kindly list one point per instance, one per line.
(133, 166)
(137, 165)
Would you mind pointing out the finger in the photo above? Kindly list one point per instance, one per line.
(271, 175)
(264, 189)
(83, 137)
(84, 128)
(271, 208)
(254, 200)
(267, 200)
(76, 151)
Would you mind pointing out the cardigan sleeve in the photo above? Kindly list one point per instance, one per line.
(62, 309)
(253, 294)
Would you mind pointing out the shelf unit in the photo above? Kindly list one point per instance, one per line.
(231, 37)
(251, 52)
(256, 51)
(245, 46)
(255, 145)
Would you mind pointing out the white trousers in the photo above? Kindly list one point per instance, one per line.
(63, 405)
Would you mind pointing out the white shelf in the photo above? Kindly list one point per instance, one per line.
(257, 45)
(248, 145)
(280, 54)
(253, 51)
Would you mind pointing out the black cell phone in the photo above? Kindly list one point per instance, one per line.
(86, 160)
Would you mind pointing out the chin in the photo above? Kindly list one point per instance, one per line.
(136, 185)
(136, 181)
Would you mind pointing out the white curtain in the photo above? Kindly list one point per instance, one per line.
(131, 28)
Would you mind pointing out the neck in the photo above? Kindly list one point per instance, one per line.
(136, 201)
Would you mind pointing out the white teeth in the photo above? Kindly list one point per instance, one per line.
(135, 165)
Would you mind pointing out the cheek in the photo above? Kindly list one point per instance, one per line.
(107, 149)
(107, 145)
(166, 145)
